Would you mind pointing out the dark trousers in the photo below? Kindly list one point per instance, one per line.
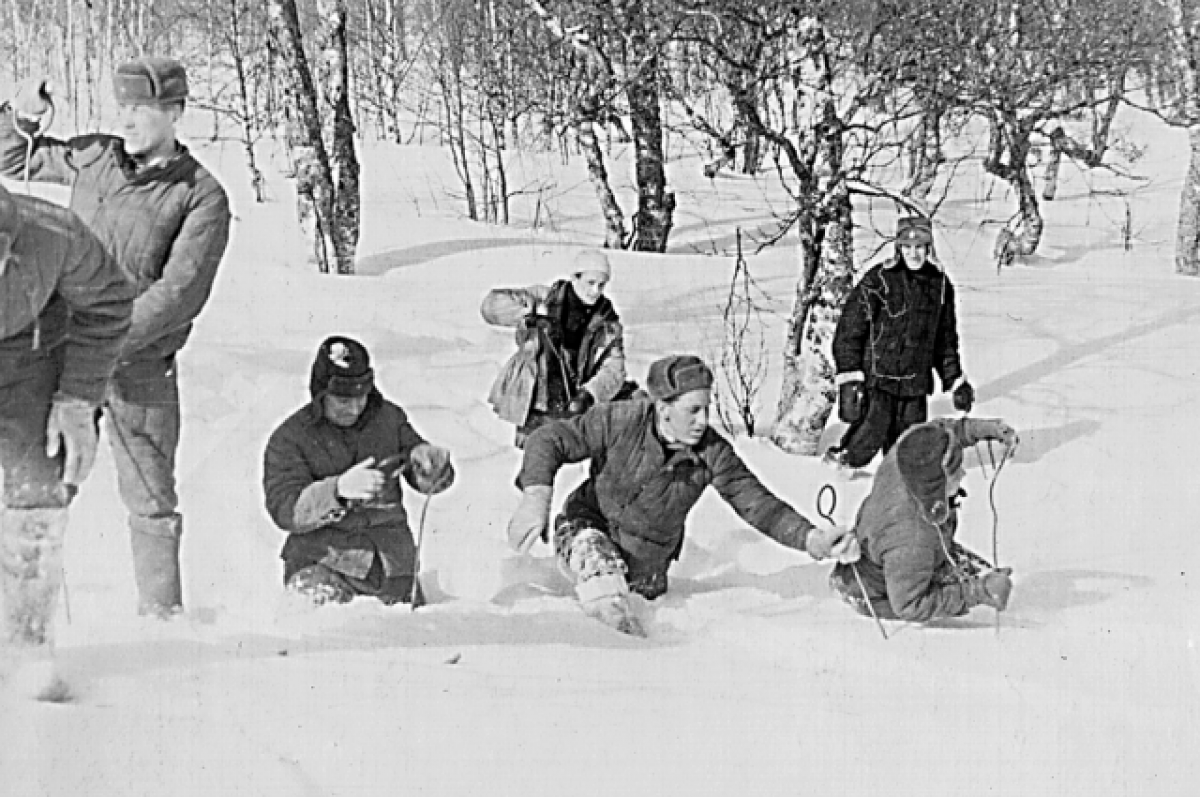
(28, 380)
(885, 417)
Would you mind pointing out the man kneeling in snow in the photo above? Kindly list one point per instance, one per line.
(331, 477)
(911, 567)
(650, 461)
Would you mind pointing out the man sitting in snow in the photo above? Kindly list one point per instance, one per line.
(331, 477)
(65, 307)
(650, 462)
(911, 567)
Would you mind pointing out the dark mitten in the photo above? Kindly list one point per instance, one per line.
(992, 589)
(535, 321)
(851, 397)
(964, 397)
(582, 402)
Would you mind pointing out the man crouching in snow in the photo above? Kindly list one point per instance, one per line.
(65, 308)
(911, 567)
(331, 477)
(650, 461)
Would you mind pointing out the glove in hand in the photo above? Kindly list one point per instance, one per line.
(964, 397)
(362, 482)
(71, 429)
(851, 397)
(993, 589)
(531, 519)
(835, 541)
(432, 471)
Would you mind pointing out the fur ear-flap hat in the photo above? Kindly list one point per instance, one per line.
(925, 455)
(342, 368)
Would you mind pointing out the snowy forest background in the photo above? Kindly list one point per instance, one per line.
(743, 161)
(838, 101)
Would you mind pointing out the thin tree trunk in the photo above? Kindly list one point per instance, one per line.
(249, 128)
(824, 220)
(656, 206)
(346, 207)
(1187, 236)
(315, 190)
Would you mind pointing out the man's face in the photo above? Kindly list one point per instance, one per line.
(148, 130)
(685, 419)
(914, 255)
(589, 286)
(344, 410)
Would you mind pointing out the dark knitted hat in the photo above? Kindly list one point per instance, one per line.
(673, 376)
(914, 230)
(342, 368)
(925, 455)
(151, 81)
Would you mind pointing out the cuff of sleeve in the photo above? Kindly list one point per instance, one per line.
(849, 376)
(954, 385)
(326, 502)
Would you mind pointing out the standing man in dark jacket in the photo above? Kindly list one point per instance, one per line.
(570, 346)
(64, 310)
(898, 328)
(331, 478)
(911, 566)
(650, 462)
(165, 220)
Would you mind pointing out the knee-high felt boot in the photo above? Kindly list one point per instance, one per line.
(31, 543)
(156, 570)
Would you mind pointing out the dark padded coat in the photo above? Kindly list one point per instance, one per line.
(304, 457)
(59, 287)
(897, 328)
(903, 549)
(640, 491)
(167, 226)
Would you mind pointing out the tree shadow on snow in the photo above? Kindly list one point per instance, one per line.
(1035, 443)
(1057, 590)
(1069, 355)
(383, 262)
(789, 584)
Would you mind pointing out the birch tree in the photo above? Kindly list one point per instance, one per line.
(326, 164)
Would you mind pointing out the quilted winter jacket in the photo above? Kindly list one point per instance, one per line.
(166, 226)
(897, 328)
(902, 548)
(59, 287)
(304, 457)
(521, 385)
(641, 492)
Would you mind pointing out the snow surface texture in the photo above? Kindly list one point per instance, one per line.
(754, 680)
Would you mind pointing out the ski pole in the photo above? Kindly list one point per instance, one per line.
(827, 514)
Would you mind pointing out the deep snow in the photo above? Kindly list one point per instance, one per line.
(755, 680)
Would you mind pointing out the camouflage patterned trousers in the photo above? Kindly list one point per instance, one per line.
(585, 552)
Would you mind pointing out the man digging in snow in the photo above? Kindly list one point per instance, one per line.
(331, 477)
(64, 310)
(165, 220)
(650, 462)
(911, 566)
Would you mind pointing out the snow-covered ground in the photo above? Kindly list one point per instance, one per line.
(754, 679)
